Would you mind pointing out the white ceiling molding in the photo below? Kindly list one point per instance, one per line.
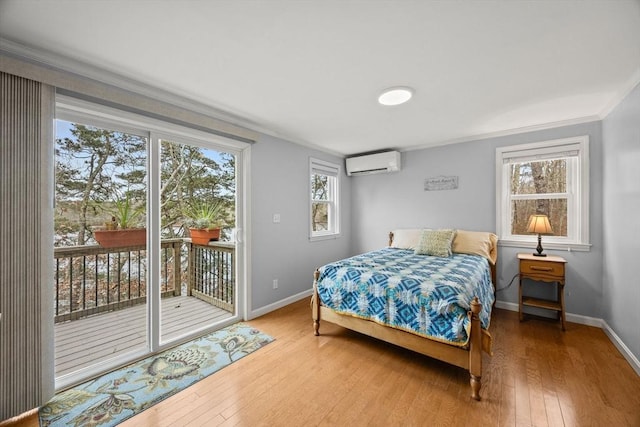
(509, 132)
(72, 67)
(622, 94)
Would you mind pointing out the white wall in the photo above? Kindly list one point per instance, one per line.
(280, 184)
(621, 136)
(384, 202)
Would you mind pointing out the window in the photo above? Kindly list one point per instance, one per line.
(550, 178)
(324, 199)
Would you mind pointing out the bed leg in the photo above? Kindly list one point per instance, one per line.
(476, 383)
(475, 350)
(315, 305)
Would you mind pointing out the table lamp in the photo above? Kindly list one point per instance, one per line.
(539, 224)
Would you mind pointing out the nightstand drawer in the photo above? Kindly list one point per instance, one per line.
(552, 269)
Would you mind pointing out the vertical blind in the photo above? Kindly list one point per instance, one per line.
(26, 325)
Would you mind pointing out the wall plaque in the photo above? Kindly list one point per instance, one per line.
(438, 183)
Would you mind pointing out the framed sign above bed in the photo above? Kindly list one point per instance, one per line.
(438, 183)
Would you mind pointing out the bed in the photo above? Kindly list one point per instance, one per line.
(430, 291)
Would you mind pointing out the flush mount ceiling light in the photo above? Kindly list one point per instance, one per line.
(395, 95)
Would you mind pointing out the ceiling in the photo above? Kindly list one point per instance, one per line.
(311, 71)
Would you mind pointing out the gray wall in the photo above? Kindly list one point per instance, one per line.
(280, 184)
(384, 202)
(621, 135)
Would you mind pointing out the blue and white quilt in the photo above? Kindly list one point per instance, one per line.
(426, 295)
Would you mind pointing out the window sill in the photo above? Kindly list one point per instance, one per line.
(321, 237)
(579, 247)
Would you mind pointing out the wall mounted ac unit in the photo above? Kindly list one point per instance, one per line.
(388, 161)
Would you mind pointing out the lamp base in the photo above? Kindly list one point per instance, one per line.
(539, 248)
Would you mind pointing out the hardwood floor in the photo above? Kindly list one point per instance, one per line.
(538, 376)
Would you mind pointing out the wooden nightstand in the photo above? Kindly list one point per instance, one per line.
(549, 269)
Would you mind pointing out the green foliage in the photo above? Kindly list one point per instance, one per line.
(204, 215)
(126, 211)
(93, 164)
(89, 164)
(189, 173)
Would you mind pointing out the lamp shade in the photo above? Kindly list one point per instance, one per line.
(539, 224)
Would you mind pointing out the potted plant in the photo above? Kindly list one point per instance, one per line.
(204, 220)
(123, 228)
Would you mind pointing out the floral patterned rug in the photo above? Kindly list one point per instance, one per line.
(114, 397)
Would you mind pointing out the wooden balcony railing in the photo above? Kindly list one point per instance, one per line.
(93, 279)
(212, 274)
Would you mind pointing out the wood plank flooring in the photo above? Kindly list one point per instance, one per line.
(82, 342)
(538, 376)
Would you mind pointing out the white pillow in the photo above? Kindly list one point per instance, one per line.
(407, 238)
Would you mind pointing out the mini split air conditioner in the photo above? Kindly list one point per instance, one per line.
(388, 161)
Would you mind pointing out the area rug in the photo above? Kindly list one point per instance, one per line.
(114, 397)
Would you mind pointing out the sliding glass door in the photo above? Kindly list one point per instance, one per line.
(146, 255)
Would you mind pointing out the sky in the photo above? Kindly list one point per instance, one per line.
(63, 130)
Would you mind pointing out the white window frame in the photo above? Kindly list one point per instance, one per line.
(331, 170)
(576, 151)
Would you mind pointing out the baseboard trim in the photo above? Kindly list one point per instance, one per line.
(590, 321)
(575, 318)
(622, 347)
(505, 305)
(584, 320)
(278, 304)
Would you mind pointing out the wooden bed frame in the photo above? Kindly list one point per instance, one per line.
(468, 358)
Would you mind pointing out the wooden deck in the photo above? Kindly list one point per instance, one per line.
(83, 342)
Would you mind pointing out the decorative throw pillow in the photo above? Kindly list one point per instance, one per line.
(475, 243)
(435, 243)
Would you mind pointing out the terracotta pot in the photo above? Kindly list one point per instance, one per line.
(200, 236)
(121, 238)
